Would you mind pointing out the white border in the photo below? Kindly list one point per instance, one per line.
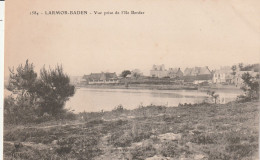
(2, 11)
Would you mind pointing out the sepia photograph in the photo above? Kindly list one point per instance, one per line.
(131, 80)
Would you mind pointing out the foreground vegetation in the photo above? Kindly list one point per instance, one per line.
(199, 131)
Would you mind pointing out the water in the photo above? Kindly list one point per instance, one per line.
(93, 100)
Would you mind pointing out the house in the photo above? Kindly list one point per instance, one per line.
(197, 75)
(187, 72)
(158, 71)
(101, 78)
(197, 71)
(223, 75)
(175, 73)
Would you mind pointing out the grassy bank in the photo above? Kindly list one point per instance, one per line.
(199, 131)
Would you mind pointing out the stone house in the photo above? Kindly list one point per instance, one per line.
(197, 75)
(175, 73)
(101, 78)
(223, 75)
(158, 71)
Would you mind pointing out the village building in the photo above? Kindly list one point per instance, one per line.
(223, 76)
(158, 71)
(190, 71)
(175, 73)
(101, 78)
(197, 75)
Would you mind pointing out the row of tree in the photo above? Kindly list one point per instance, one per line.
(242, 67)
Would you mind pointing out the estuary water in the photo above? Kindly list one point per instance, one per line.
(94, 100)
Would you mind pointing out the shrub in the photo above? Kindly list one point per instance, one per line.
(172, 149)
(142, 152)
(241, 150)
(203, 139)
(118, 110)
(18, 110)
(251, 86)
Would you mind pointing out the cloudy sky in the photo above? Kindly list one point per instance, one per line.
(177, 33)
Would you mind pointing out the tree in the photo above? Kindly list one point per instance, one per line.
(36, 96)
(251, 86)
(136, 75)
(241, 66)
(251, 67)
(234, 68)
(20, 105)
(22, 81)
(125, 73)
(53, 90)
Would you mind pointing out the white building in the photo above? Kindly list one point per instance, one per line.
(224, 75)
(158, 71)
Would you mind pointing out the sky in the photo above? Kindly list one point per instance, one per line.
(177, 33)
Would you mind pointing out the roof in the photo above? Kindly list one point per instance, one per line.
(197, 71)
(100, 76)
(204, 70)
(110, 75)
(174, 70)
(159, 67)
(92, 76)
(187, 71)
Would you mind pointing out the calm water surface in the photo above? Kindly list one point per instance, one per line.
(92, 100)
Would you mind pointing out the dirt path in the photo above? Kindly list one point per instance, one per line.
(51, 126)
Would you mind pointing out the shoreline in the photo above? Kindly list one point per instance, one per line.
(141, 86)
(162, 87)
